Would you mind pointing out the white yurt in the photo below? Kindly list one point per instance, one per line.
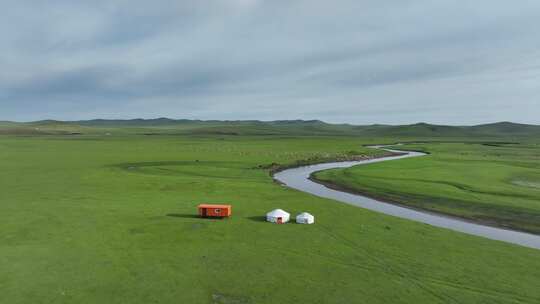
(305, 218)
(278, 216)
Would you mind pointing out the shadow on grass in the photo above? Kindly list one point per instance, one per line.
(257, 218)
(182, 215)
(195, 216)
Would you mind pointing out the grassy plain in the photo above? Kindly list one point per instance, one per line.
(110, 219)
(496, 184)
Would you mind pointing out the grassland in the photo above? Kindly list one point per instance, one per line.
(110, 219)
(166, 126)
(495, 184)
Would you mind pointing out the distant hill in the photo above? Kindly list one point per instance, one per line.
(416, 130)
(139, 122)
(164, 125)
(162, 121)
(501, 129)
(506, 128)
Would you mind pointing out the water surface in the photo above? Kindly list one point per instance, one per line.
(298, 178)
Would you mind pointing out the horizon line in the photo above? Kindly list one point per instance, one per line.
(264, 121)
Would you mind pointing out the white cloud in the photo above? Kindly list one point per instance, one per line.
(354, 61)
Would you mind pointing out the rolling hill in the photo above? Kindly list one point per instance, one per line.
(166, 126)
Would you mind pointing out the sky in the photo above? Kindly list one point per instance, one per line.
(358, 61)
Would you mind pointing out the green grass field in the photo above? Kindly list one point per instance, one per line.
(494, 184)
(111, 219)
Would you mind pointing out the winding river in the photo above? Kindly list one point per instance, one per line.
(298, 178)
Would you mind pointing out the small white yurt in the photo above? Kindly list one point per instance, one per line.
(278, 216)
(305, 218)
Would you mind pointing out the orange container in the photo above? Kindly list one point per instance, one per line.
(210, 210)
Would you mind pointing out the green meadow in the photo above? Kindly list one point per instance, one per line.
(99, 218)
(497, 184)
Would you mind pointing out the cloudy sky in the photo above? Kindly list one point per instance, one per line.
(358, 61)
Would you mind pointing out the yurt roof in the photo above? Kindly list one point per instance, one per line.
(277, 212)
(305, 214)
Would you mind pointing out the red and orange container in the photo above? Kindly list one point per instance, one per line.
(211, 210)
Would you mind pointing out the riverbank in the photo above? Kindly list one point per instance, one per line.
(492, 185)
(274, 168)
(399, 202)
(301, 179)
